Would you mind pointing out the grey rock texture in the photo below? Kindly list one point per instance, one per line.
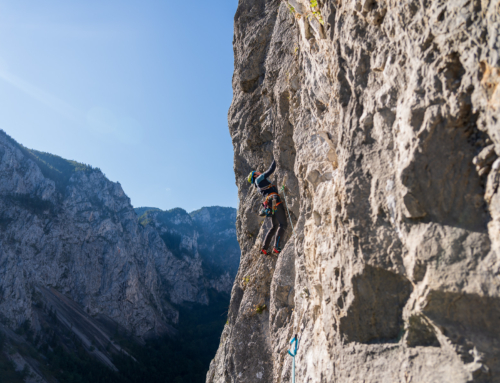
(217, 242)
(383, 117)
(203, 242)
(70, 239)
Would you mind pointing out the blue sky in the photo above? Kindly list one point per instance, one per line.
(140, 89)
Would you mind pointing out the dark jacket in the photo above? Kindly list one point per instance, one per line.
(263, 185)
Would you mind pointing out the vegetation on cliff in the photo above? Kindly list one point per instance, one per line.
(56, 168)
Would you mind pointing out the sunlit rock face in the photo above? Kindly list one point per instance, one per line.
(67, 231)
(383, 119)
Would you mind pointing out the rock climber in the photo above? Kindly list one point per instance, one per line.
(273, 207)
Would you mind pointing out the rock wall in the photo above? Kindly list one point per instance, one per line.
(383, 119)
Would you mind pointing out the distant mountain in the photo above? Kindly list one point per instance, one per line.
(82, 279)
(208, 234)
(141, 210)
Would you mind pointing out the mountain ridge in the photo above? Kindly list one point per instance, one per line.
(76, 266)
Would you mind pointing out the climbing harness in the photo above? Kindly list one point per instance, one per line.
(270, 204)
(288, 211)
(294, 344)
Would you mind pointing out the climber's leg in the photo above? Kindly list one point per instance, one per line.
(280, 216)
(271, 232)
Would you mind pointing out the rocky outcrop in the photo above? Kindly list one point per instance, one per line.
(68, 232)
(203, 243)
(217, 242)
(84, 241)
(383, 119)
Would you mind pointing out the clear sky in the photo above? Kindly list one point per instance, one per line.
(140, 89)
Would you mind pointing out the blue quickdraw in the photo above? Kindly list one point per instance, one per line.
(294, 344)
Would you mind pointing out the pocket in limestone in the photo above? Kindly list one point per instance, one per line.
(468, 321)
(412, 208)
(420, 333)
(375, 313)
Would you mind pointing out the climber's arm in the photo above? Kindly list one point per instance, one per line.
(271, 170)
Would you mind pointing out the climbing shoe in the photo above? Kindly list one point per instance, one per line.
(276, 250)
(263, 251)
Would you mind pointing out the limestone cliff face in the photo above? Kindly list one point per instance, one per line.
(203, 242)
(70, 240)
(383, 118)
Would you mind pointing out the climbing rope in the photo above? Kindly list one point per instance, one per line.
(286, 205)
(294, 344)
